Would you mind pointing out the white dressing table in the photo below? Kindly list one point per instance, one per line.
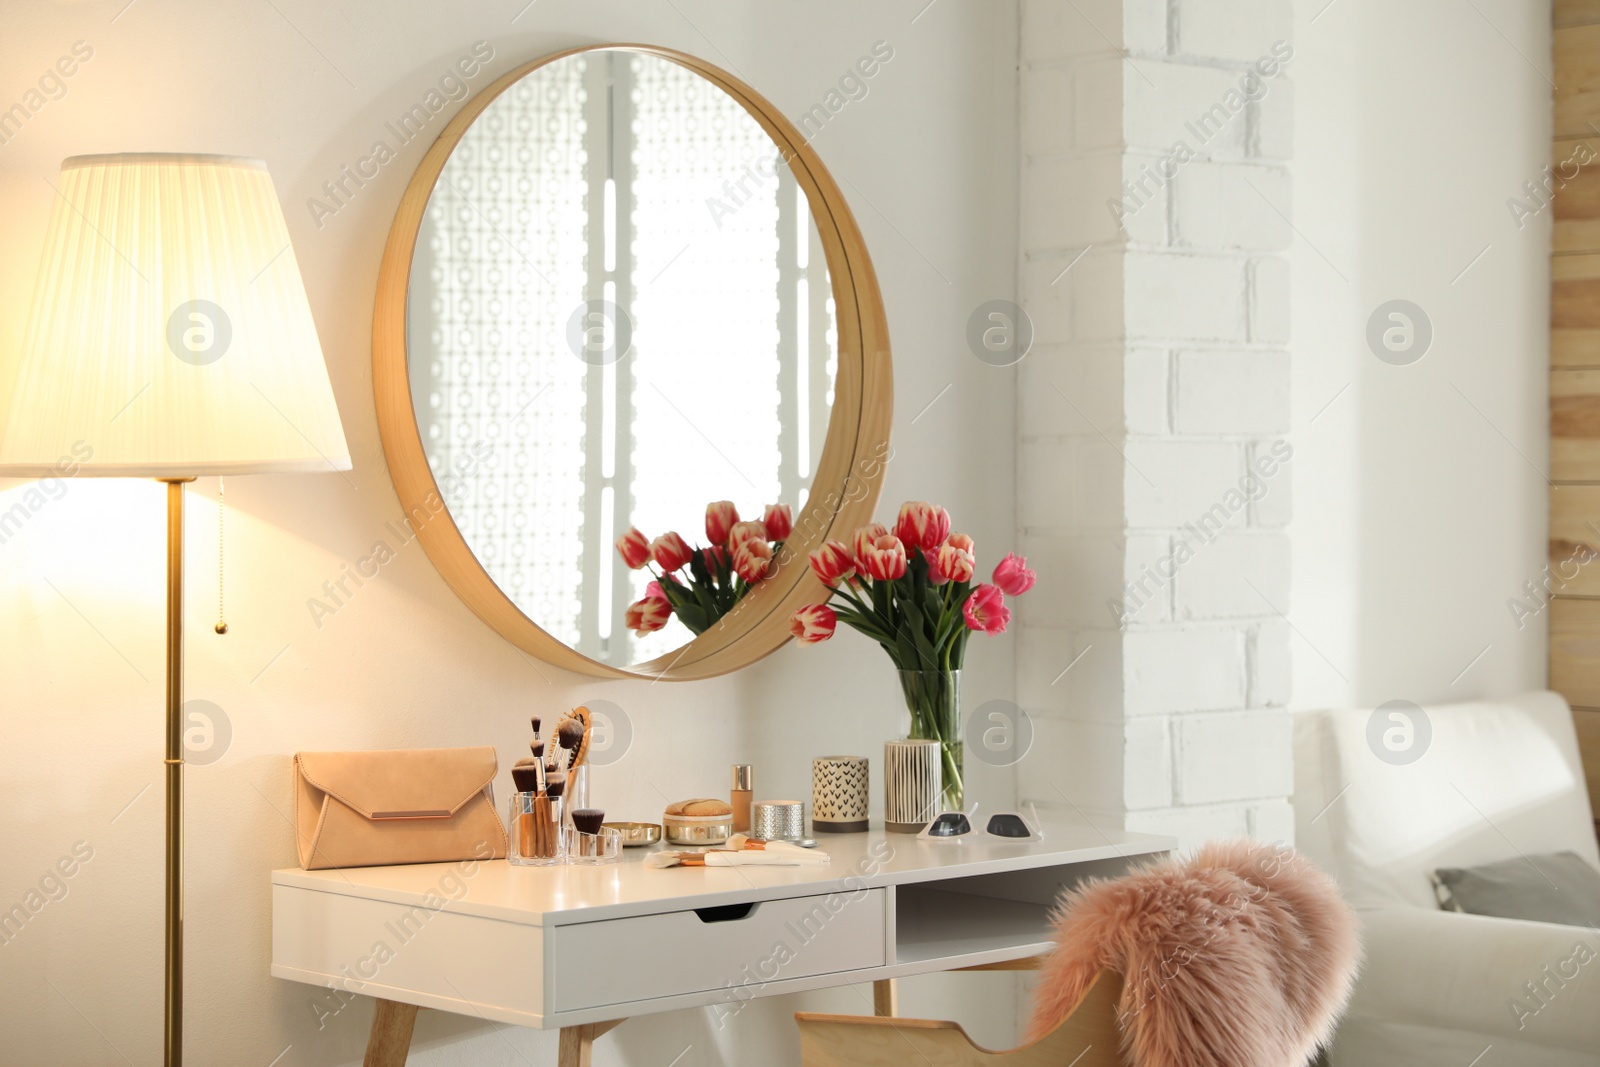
(583, 948)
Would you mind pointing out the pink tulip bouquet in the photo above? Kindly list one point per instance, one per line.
(912, 592)
(701, 585)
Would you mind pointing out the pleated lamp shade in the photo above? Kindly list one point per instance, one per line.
(170, 336)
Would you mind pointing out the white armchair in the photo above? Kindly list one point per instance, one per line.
(1495, 780)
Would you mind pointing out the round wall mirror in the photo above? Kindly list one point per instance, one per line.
(622, 286)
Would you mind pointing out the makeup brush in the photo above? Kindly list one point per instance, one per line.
(540, 820)
(663, 860)
(536, 721)
(555, 784)
(587, 821)
(748, 857)
(526, 775)
(569, 735)
(581, 754)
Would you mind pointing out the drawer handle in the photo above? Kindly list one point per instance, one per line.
(726, 913)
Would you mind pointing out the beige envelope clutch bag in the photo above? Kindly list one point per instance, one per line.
(369, 809)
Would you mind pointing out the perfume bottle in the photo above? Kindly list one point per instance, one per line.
(741, 796)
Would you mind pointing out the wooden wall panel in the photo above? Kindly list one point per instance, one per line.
(1589, 743)
(1574, 348)
(1575, 540)
(1565, 147)
(1577, 64)
(1576, 235)
(1574, 425)
(1580, 184)
(1575, 650)
(1576, 12)
(1574, 610)
(1574, 302)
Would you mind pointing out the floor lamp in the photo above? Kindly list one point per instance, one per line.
(170, 338)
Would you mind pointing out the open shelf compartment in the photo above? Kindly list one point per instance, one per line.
(986, 918)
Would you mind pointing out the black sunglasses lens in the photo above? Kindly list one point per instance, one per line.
(1008, 825)
(950, 824)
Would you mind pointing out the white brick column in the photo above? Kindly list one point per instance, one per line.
(1152, 411)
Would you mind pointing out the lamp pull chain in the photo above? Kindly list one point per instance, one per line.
(222, 626)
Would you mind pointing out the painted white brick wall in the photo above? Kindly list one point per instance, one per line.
(1269, 663)
(1155, 215)
(1165, 98)
(1231, 206)
(1269, 300)
(1273, 121)
(1233, 756)
(1068, 673)
(1066, 224)
(1184, 295)
(1172, 481)
(1231, 30)
(1176, 669)
(1231, 391)
(1233, 576)
(1113, 767)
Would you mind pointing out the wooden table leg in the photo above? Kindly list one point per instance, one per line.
(577, 1042)
(885, 998)
(390, 1040)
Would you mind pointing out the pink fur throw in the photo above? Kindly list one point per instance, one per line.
(1242, 956)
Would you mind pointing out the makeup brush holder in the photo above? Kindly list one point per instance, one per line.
(593, 850)
(913, 781)
(577, 792)
(537, 839)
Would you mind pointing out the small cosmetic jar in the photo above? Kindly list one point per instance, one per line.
(701, 822)
(779, 820)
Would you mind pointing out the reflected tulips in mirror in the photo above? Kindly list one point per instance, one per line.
(911, 590)
(701, 585)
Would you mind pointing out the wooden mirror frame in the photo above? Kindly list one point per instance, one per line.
(849, 475)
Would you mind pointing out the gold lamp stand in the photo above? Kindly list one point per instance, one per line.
(206, 228)
(174, 764)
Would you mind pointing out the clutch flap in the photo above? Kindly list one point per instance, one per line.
(419, 783)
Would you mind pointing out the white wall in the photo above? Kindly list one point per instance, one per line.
(927, 160)
(1152, 415)
(1419, 498)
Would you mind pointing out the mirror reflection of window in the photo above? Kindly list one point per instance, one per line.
(498, 270)
(611, 197)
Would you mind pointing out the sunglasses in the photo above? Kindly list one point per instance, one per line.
(955, 825)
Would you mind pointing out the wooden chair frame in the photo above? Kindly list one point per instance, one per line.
(1088, 1037)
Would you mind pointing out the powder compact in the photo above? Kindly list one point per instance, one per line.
(703, 821)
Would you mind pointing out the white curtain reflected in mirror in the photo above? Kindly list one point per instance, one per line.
(619, 312)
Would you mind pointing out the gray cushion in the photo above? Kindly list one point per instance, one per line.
(1556, 888)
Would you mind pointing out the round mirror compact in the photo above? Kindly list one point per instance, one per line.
(622, 287)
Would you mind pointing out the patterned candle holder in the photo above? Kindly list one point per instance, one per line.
(839, 794)
(913, 779)
(778, 820)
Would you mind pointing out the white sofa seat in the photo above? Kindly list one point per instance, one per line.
(1453, 971)
(1497, 780)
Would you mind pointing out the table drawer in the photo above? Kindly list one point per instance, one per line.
(619, 960)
